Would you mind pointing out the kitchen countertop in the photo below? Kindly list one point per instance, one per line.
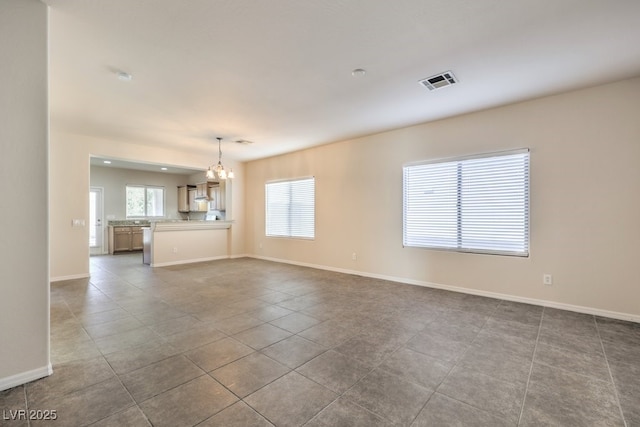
(171, 224)
(179, 225)
(129, 223)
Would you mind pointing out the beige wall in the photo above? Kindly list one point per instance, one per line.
(70, 183)
(24, 255)
(585, 201)
(114, 182)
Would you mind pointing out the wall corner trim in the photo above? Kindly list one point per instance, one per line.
(189, 261)
(71, 277)
(25, 377)
(544, 303)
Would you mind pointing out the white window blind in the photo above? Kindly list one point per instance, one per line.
(290, 208)
(478, 204)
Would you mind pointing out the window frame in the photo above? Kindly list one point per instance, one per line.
(146, 188)
(459, 160)
(267, 209)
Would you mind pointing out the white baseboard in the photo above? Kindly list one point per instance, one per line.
(189, 261)
(71, 277)
(25, 377)
(545, 303)
(240, 256)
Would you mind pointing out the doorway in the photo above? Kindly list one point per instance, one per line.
(96, 229)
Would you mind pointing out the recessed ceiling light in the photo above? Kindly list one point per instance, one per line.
(359, 72)
(106, 162)
(124, 77)
(164, 169)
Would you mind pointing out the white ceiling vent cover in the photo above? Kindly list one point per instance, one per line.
(439, 80)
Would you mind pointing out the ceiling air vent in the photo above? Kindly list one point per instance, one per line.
(439, 80)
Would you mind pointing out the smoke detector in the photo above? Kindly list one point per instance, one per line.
(124, 76)
(439, 80)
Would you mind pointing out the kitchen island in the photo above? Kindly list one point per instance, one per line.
(184, 242)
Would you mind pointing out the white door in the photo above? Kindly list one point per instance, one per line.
(96, 230)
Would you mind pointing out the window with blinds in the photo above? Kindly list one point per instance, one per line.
(290, 208)
(473, 204)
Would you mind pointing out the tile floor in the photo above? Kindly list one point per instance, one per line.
(253, 343)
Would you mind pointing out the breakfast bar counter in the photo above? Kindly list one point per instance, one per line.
(183, 242)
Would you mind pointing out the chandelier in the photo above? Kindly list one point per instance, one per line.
(219, 169)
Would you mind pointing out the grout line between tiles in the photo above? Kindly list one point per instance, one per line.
(533, 357)
(26, 402)
(615, 387)
(188, 306)
(116, 376)
(457, 361)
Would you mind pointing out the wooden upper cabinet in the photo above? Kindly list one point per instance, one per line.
(216, 196)
(183, 199)
(201, 190)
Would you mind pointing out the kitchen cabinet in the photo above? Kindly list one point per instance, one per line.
(194, 204)
(201, 190)
(125, 239)
(121, 239)
(216, 197)
(183, 198)
(136, 238)
(188, 199)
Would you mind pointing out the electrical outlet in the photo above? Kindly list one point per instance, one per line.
(354, 256)
(175, 250)
(260, 246)
(547, 279)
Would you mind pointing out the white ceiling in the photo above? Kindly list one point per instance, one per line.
(141, 166)
(278, 72)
